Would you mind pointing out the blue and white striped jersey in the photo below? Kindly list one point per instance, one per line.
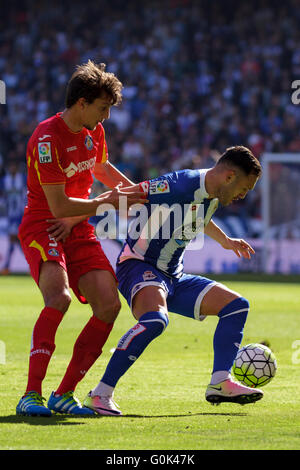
(178, 209)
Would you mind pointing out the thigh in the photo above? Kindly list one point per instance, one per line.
(188, 296)
(144, 287)
(99, 288)
(149, 299)
(45, 256)
(84, 254)
(216, 299)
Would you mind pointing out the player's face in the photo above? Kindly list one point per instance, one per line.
(96, 112)
(236, 188)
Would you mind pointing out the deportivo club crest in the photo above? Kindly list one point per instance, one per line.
(88, 142)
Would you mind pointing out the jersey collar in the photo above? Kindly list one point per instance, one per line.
(204, 193)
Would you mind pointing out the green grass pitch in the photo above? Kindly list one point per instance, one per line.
(162, 395)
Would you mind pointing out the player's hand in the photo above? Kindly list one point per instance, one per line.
(240, 247)
(60, 229)
(133, 196)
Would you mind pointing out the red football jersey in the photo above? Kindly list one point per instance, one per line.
(57, 155)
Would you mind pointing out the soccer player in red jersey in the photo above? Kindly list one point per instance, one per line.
(58, 242)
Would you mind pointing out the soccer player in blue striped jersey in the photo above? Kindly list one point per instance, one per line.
(151, 273)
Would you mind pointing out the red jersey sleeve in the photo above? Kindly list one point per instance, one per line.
(102, 154)
(46, 157)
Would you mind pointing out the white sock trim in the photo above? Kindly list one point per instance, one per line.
(219, 376)
(102, 389)
(236, 311)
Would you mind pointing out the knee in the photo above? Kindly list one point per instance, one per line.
(165, 319)
(242, 303)
(159, 321)
(60, 300)
(244, 307)
(108, 312)
(239, 305)
(115, 308)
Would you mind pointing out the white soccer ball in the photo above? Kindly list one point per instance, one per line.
(255, 365)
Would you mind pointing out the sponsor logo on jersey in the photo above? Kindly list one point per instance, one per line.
(70, 149)
(44, 150)
(81, 166)
(88, 142)
(44, 136)
(158, 187)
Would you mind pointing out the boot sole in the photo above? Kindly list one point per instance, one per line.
(240, 399)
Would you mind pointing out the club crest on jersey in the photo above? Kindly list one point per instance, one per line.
(148, 275)
(44, 149)
(53, 252)
(158, 187)
(88, 142)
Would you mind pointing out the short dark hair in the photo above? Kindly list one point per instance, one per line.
(89, 81)
(241, 157)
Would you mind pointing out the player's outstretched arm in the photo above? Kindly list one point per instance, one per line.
(133, 194)
(63, 206)
(110, 176)
(239, 246)
(214, 232)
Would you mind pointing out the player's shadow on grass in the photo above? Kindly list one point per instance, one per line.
(40, 421)
(62, 420)
(185, 415)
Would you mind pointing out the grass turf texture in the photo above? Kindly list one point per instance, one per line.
(162, 395)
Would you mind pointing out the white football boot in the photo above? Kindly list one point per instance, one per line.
(232, 392)
(103, 405)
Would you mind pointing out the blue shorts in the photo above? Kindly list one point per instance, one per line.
(184, 295)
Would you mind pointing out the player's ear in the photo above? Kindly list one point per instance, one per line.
(230, 176)
(81, 102)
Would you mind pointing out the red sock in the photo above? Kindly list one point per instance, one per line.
(42, 347)
(87, 349)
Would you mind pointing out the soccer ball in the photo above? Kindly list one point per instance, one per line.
(255, 365)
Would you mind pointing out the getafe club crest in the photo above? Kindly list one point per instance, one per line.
(88, 142)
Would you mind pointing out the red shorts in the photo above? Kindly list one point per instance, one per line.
(79, 254)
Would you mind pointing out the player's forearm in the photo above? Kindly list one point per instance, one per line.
(110, 176)
(77, 208)
(63, 206)
(76, 219)
(214, 232)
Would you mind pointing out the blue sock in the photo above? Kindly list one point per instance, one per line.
(229, 333)
(132, 344)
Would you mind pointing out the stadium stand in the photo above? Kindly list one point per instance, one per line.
(199, 76)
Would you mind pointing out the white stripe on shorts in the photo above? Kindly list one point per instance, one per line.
(199, 299)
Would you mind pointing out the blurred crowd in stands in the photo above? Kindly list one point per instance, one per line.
(199, 76)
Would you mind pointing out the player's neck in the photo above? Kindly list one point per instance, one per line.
(72, 120)
(211, 184)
